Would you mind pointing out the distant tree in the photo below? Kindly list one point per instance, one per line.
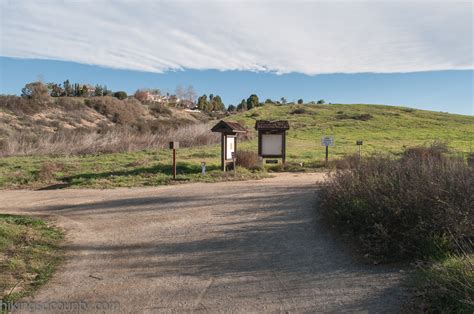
(120, 95)
(84, 91)
(217, 104)
(55, 90)
(99, 90)
(36, 91)
(106, 91)
(203, 104)
(300, 101)
(68, 89)
(252, 101)
(283, 100)
(231, 108)
(141, 95)
(269, 101)
(179, 92)
(190, 94)
(321, 102)
(76, 90)
(242, 106)
(211, 97)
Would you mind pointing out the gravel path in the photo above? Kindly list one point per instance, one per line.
(254, 246)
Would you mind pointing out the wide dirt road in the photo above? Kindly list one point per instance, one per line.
(227, 247)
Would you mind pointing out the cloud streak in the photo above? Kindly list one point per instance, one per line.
(305, 37)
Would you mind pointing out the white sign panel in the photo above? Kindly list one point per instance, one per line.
(230, 147)
(327, 141)
(272, 144)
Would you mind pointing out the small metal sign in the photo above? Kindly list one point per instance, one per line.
(327, 141)
(359, 142)
(174, 145)
(271, 161)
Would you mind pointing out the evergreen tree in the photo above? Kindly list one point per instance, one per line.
(242, 106)
(68, 90)
(99, 91)
(252, 101)
(203, 104)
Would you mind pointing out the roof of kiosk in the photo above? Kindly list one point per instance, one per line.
(228, 127)
(272, 125)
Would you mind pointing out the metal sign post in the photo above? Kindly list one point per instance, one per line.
(174, 146)
(203, 168)
(327, 141)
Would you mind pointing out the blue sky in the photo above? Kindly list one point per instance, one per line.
(449, 91)
(417, 54)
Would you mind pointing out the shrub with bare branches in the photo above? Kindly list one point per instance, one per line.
(402, 208)
(247, 159)
(66, 142)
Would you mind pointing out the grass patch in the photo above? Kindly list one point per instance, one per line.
(132, 169)
(29, 254)
(390, 130)
(445, 286)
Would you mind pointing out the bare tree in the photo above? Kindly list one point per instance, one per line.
(179, 92)
(190, 94)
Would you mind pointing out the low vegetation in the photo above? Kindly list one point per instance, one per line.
(445, 285)
(138, 168)
(416, 207)
(72, 142)
(29, 253)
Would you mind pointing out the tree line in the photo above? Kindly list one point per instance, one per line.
(67, 89)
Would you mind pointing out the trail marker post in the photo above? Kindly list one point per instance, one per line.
(359, 143)
(327, 141)
(203, 168)
(174, 146)
(234, 159)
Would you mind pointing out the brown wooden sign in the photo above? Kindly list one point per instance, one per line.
(229, 131)
(272, 138)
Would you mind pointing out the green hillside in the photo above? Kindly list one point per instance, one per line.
(382, 128)
(387, 129)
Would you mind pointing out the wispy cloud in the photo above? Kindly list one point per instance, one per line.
(306, 37)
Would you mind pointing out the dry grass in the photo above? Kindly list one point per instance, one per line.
(67, 142)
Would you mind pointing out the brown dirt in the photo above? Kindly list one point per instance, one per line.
(254, 246)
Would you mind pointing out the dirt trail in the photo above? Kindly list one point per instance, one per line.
(253, 246)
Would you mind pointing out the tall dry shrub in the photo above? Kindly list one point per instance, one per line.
(71, 142)
(247, 159)
(402, 208)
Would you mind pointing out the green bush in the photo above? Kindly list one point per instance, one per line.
(400, 209)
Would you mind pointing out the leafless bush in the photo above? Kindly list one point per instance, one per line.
(247, 159)
(402, 208)
(66, 142)
(47, 171)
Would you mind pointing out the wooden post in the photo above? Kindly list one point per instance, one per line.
(223, 143)
(174, 164)
(327, 153)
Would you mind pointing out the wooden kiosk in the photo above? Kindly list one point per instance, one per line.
(229, 131)
(272, 138)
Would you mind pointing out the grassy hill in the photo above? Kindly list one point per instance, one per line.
(382, 128)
